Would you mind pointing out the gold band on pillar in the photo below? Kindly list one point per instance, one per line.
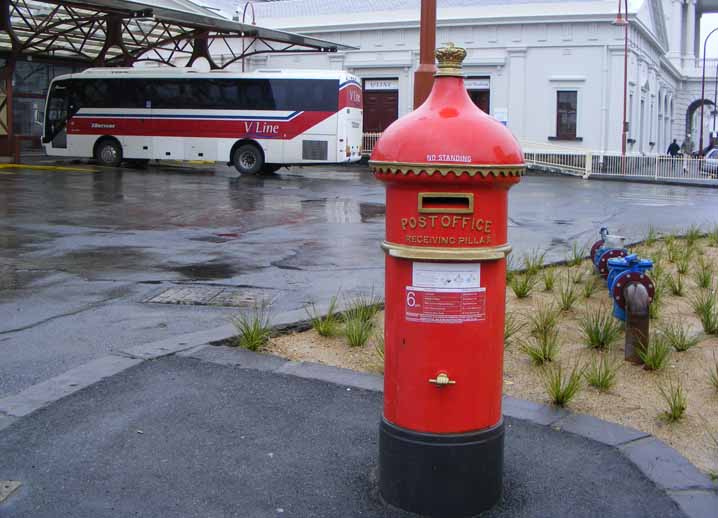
(492, 253)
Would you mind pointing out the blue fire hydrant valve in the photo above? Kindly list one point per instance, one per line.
(624, 271)
(608, 247)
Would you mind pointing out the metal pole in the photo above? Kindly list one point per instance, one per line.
(624, 133)
(703, 88)
(254, 22)
(424, 75)
(715, 99)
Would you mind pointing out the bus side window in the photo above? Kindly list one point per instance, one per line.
(256, 94)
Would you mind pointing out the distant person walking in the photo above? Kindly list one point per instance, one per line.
(674, 149)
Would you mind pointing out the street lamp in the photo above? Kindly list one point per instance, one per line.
(254, 22)
(622, 21)
(703, 87)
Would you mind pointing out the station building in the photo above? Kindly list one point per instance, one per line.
(553, 71)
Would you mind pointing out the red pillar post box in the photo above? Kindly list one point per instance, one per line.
(448, 168)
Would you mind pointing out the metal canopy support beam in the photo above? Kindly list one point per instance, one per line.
(200, 49)
(7, 135)
(121, 32)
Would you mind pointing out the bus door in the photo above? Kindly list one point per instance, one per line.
(57, 114)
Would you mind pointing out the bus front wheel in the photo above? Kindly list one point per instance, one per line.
(248, 159)
(109, 153)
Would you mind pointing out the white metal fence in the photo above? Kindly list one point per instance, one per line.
(368, 142)
(681, 169)
(578, 162)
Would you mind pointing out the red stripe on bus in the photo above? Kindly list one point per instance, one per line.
(211, 128)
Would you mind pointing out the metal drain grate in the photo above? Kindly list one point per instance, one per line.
(207, 296)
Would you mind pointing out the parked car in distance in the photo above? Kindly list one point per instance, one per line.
(709, 165)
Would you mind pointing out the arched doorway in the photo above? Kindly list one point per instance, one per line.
(693, 121)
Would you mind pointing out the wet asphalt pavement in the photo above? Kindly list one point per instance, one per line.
(81, 253)
(183, 438)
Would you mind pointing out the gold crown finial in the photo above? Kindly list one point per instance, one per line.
(450, 58)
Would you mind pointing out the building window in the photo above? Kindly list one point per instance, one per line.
(566, 109)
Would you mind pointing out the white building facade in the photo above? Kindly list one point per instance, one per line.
(551, 70)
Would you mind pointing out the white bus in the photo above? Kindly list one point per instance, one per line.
(256, 121)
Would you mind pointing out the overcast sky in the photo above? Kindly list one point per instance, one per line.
(708, 23)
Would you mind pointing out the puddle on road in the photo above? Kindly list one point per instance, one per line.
(206, 271)
(99, 259)
(12, 278)
(371, 210)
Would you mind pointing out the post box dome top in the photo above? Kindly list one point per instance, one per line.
(448, 135)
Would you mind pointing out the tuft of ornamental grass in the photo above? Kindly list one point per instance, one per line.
(576, 254)
(651, 236)
(598, 327)
(576, 277)
(659, 289)
(567, 295)
(713, 373)
(590, 287)
(656, 354)
(542, 349)
(324, 325)
(678, 336)
(562, 385)
(669, 240)
(674, 250)
(693, 234)
(544, 320)
(675, 284)
(683, 262)
(549, 279)
(713, 236)
(675, 398)
(512, 325)
(705, 305)
(522, 285)
(658, 271)
(253, 327)
(697, 249)
(358, 331)
(704, 273)
(601, 373)
(533, 261)
(363, 307)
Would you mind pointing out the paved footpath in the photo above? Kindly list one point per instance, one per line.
(202, 435)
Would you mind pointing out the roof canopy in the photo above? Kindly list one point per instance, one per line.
(122, 32)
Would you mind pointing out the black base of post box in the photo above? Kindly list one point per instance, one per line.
(441, 475)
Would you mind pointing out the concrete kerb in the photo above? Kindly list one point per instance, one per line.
(47, 392)
(694, 493)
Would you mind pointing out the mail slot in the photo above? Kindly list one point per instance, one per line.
(447, 168)
(446, 202)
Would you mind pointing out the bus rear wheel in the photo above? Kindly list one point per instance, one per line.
(109, 153)
(248, 159)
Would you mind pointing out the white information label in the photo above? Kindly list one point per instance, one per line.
(477, 83)
(381, 84)
(446, 275)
